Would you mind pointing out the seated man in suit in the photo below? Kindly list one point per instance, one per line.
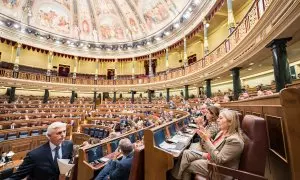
(119, 169)
(41, 163)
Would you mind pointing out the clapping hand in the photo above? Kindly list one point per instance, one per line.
(203, 133)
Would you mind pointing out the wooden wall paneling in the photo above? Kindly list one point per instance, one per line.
(290, 100)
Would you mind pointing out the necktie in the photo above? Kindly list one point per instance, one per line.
(56, 155)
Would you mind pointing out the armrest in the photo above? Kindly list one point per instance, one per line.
(242, 175)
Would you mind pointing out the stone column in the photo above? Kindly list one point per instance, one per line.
(149, 96)
(116, 69)
(17, 60)
(168, 95)
(46, 96)
(206, 25)
(115, 97)
(75, 70)
(208, 88)
(150, 66)
(167, 60)
(12, 95)
(186, 92)
(96, 71)
(231, 20)
(132, 67)
(49, 66)
(280, 63)
(72, 99)
(95, 99)
(236, 82)
(132, 96)
(185, 59)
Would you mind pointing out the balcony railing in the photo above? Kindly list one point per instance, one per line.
(245, 26)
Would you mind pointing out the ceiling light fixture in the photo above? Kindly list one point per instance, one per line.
(207, 25)
(187, 15)
(197, 2)
(251, 64)
(176, 25)
(249, 69)
(17, 26)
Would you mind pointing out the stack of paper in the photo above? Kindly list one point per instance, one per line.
(64, 166)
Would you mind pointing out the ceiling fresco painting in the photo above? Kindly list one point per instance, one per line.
(12, 8)
(108, 21)
(52, 16)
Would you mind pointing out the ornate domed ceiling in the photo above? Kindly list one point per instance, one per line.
(98, 27)
(96, 20)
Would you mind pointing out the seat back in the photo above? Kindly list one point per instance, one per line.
(114, 145)
(92, 132)
(11, 135)
(101, 132)
(2, 137)
(159, 137)
(172, 129)
(186, 121)
(137, 166)
(131, 137)
(180, 124)
(35, 132)
(96, 133)
(86, 130)
(105, 133)
(141, 134)
(23, 134)
(254, 155)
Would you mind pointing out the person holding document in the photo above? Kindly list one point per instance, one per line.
(41, 163)
(225, 149)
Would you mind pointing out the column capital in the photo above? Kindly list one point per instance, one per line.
(236, 68)
(19, 45)
(208, 79)
(278, 42)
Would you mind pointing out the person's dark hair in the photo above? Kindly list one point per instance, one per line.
(215, 111)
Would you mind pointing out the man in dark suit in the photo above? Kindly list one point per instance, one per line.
(41, 163)
(119, 169)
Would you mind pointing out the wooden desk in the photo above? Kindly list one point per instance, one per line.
(86, 170)
(157, 160)
(12, 164)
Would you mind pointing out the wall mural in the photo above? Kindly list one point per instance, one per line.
(96, 20)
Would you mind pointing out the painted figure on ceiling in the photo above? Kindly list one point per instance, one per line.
(54, 19)
(85, 26)
(133, 25)
(119, 34)
(11, 3)
(172, 6)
